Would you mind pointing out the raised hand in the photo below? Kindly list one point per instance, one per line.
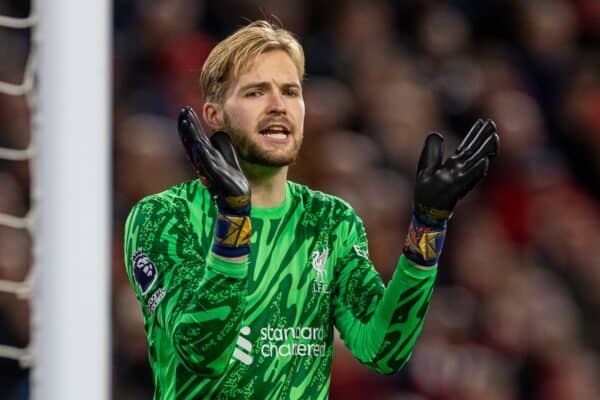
(441, 184)
(217, 165)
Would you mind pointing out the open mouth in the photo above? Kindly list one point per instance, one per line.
(275, 131)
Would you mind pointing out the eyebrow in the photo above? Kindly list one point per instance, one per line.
(266, 84)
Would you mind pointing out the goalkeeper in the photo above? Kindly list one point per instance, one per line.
(243, 275)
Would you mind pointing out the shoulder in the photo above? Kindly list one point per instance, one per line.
(174, 202)
(187, 192)
(162, 221)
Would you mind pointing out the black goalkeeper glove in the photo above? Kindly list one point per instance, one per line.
(217, 165)
(441, 184)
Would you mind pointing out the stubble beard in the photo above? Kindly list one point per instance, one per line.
(249, 149)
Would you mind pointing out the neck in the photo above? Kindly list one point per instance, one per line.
(267, 184)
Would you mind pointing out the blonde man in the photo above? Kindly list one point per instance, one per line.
(243, 274)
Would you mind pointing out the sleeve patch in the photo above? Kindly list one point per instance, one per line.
(361, 252)
(144, 271)
(155, 300)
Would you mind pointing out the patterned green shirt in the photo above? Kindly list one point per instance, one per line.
(264, 329)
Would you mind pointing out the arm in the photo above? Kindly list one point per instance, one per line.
(197, 299)
(203, 292)
(380, 326)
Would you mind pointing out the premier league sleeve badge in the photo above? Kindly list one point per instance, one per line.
(144, 271)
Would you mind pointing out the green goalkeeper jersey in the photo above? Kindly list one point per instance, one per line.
(263, 329)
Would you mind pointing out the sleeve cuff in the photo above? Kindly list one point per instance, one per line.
(415, 270)
(232, 269)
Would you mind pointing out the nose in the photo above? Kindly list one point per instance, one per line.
(276, 103)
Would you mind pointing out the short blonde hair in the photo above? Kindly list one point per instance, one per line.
(229, 57)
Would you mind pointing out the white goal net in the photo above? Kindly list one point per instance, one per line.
(21, 289)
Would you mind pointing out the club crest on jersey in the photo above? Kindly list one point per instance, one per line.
(319, 261)
(144, 271)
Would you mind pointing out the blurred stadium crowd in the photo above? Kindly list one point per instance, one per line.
(515, 311)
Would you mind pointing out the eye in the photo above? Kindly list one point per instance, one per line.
(253, 93)
(292, 92)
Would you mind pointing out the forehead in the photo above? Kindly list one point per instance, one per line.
(274, 65)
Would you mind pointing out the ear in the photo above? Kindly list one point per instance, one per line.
(213, 115)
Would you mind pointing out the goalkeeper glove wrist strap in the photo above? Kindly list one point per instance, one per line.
(424, 242)
(232, 235)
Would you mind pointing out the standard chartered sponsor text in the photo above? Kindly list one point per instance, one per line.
(292, 341)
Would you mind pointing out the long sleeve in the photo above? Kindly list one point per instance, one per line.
(197, 299)
(379, 324)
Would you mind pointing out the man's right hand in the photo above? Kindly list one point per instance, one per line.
(217, 165)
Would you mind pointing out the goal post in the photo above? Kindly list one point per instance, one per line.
(71, 300)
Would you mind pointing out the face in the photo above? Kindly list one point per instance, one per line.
(263, 111)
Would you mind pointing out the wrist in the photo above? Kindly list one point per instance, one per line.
(424, 241)
(232, 235)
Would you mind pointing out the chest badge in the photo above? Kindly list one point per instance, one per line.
(319, 260)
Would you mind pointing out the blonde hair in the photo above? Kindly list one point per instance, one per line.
(229, 57)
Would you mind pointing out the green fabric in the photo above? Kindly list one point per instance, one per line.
(263, 329)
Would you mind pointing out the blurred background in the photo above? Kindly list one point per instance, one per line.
(515, 311)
